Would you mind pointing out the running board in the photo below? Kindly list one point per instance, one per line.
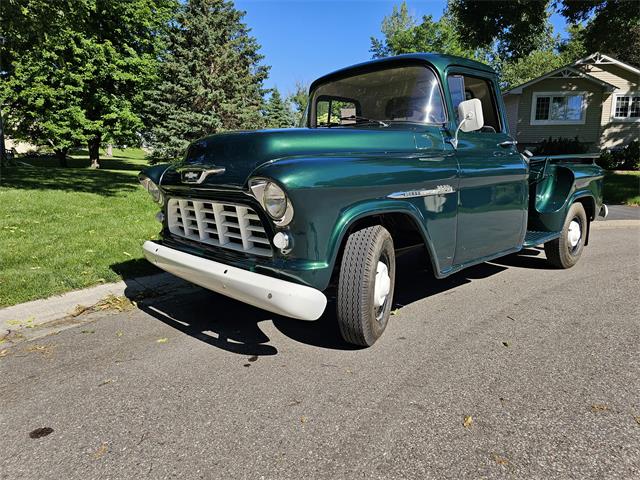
(534, 238)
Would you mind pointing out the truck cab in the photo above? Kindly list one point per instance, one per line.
(413, 150)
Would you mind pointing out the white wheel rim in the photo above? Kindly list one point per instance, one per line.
(382, 285)
(574, 233)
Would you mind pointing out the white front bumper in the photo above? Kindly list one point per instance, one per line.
(278, 296)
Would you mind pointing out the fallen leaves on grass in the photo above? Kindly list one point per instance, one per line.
(40, 432)
(468, 421)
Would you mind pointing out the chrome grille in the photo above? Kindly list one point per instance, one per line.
(224, 225)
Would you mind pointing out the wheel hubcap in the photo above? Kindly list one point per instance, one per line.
(574, 233)
(382, 285)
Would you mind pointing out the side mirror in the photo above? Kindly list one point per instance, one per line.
(471, 118)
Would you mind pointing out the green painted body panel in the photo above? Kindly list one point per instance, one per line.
(335, 177)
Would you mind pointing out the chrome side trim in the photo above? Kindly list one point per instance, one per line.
(439, 190)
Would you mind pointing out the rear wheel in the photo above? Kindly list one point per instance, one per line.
(365, 285)
(565, 251)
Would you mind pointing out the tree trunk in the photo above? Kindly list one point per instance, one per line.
(109, 150)
(94, 151)
(61, 155)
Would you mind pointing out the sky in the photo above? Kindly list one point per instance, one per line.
(304, 39)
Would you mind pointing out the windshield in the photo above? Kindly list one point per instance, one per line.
(405, 94)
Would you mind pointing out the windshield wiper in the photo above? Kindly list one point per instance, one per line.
(360, 119)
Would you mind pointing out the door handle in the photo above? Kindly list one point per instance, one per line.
(508, 143)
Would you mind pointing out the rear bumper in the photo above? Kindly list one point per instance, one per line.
(272, 294)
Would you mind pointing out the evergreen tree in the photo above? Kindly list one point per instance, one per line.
(211, 79)
(277, 111)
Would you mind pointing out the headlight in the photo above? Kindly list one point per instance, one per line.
(152, 188)
(275, 201)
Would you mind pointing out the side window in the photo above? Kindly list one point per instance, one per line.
(464, 87)
(336, 111)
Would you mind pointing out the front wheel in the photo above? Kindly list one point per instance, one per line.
(365, 285)
(565, 251)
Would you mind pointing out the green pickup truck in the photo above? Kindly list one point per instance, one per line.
(405, 151)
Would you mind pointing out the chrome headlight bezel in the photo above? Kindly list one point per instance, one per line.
(259, 188)
(152, 189)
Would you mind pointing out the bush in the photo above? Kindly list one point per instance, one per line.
(560, 146)
(625, 158)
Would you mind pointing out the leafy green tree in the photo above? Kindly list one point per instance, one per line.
(277, 111)
(299, 100)
(77, 69)
(515, 28)
(211, 80)
(611, 26)
(404, 34)
(518, 26)
(555, 55)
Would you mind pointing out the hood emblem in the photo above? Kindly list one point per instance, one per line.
(198, 175)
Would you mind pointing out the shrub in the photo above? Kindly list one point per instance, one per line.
(560, 146)
(625, 158)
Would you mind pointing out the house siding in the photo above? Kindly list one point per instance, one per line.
(615, 133)
(589, 132)
(511, 104)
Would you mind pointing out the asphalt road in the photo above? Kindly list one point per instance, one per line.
(545, 362)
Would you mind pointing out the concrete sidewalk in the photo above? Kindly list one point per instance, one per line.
(38, 312)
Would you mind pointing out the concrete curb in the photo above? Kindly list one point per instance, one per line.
(53, 308)
(604, 224)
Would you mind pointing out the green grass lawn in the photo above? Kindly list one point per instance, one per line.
(67, 228)
(622, 188)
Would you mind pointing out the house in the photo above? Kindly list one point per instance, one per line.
(596, 99)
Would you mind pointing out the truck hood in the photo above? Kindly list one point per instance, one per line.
(240, 153)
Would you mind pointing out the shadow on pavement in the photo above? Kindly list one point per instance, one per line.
(235, 327)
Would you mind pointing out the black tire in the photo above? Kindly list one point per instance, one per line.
(361, 321)
(561, 252)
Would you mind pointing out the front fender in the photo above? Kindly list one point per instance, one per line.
(363, 210)
(329, 194)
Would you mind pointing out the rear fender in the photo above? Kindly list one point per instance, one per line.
(562, 185)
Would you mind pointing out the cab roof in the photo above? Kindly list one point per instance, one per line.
(439, 61)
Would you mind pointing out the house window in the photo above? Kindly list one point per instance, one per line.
(558, 108)
(626, 106)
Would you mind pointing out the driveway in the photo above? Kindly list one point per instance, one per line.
(507, 370)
